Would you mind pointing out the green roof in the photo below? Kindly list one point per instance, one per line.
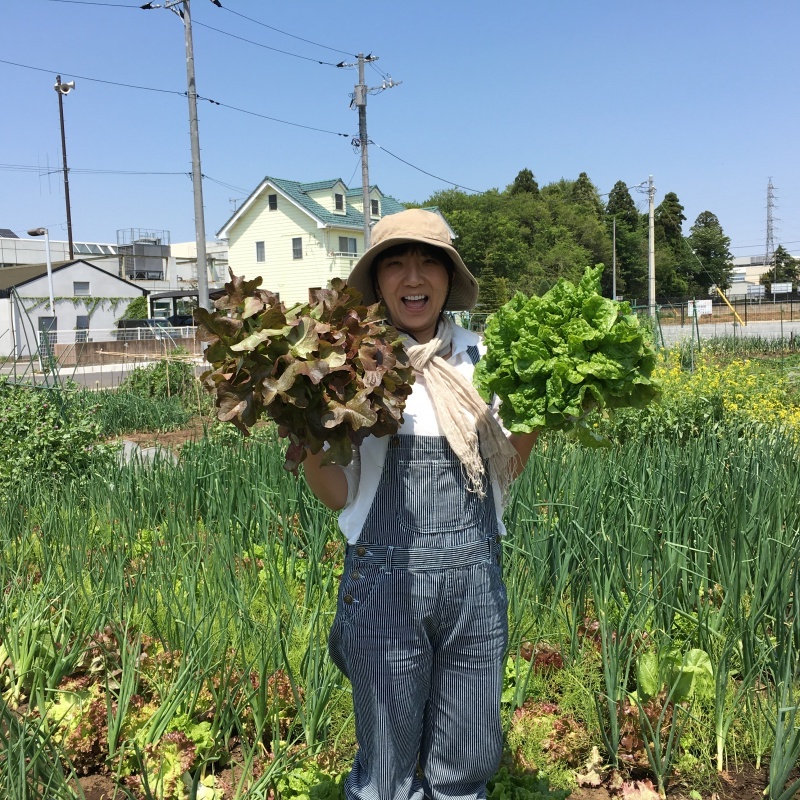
(298, 192)
(317, 185)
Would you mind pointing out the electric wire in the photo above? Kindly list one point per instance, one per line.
(91, 3)
(285, 33)
(265, 46)
(95, 80)
(425, 172)
(181, 94)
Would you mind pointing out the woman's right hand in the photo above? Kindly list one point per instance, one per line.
(327, 482)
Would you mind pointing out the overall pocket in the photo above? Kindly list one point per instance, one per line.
(433, 498)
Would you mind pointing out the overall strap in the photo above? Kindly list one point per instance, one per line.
(472, 352)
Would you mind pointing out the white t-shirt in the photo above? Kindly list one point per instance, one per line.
(419, 419)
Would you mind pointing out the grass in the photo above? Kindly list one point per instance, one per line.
(187, 606)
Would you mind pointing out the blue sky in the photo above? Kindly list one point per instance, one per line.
(702, 95)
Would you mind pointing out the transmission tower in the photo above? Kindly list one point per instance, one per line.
(770, 249)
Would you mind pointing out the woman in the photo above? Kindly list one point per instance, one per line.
(421, 623)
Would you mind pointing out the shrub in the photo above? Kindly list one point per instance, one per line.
(741, 394)
(167, 378)
(47, 435)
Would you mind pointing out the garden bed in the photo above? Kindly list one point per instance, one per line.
(164, 621)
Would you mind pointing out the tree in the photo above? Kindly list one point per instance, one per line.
(631, 244)
(524, 183)
(672, 255)
(712, 262)
(668, 218)
(785, 269)
(584, 193)
(621, 206)
(493, 291)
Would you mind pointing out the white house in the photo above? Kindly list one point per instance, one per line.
(86, 298)
(298, 236)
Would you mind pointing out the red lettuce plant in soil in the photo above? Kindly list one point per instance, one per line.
(332, 371)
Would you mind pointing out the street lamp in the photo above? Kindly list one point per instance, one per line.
(44, 232)
(61, 90)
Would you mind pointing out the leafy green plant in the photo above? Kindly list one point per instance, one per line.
(553, 359)
(136, 309)
(169, 377)
(333, 372)
(48, 435)
(507, 785)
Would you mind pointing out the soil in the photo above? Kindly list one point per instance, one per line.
(98, 787)
(171, 440)
(746, 785)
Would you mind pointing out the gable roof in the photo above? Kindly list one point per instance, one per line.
(13, 277)
(297, 193)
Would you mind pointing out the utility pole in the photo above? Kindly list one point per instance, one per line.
(651, 249)
(184, 13)
(360, 102)
(614, 262)
(61, 90)
(360, 99)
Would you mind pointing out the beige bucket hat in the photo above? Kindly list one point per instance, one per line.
(415, 225)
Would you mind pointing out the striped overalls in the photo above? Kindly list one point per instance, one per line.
(421, 631)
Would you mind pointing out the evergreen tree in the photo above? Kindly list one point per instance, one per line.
(491, 291)
(713, 261)
(672, 255)
(631, 244)
(668, 218)
(585, 194)
(524, 183)
(621, 206)
(785, 269)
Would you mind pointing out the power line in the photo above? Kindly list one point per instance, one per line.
(180, 94)
(90, 3)
(272, 119)
(285, 33)
(83, 171)
(226, 185)
(751, 246)
(424, 172)
(265, 46)
(94, 80)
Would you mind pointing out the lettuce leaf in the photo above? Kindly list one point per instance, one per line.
(554, 359)
(329, 373)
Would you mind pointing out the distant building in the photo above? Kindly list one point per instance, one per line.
(298, 236)
(746, 277)
(86, 298)
(144, 256)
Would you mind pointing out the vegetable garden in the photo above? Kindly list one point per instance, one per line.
(163, 623)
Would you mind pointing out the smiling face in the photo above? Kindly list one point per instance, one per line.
(414, 286)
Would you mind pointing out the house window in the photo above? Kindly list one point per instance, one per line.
(82, 328)
(297, 248)
(338, 200)
(272, 200)
(80, 288)
(373, 208)
(347, 245)
(259, 251)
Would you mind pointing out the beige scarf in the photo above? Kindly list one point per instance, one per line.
(467, 422)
